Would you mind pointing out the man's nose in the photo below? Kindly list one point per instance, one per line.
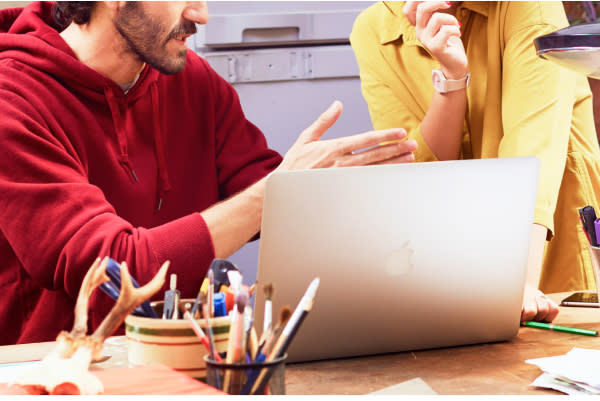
(196, 11)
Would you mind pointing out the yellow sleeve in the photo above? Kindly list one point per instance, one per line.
(388, 108)
(537, 100)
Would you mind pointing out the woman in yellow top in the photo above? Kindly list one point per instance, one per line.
(515, 104)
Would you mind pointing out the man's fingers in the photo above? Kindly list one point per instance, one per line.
(354, 143)
(404, 158)
(396, 152)
(322, 124)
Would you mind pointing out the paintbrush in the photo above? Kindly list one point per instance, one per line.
(288, 333)
(284, 315)
(199, 332)
(210, 293)
(207, 321)
(236, 346)
(268, 290)
(270, 338)
(250, 333)
(195, 308)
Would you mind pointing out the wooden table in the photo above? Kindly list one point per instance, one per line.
(497, 368)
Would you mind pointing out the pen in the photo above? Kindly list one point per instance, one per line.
(564, 329)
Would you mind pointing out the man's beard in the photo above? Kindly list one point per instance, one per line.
(147, 38)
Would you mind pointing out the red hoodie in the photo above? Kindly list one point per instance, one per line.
(87, 171)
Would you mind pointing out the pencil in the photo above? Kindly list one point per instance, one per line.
(564, 329)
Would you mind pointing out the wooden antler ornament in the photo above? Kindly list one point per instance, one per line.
(65, 369)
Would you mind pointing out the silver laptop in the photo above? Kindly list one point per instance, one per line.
(409, 257)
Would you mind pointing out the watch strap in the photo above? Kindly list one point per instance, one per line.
(444, 85)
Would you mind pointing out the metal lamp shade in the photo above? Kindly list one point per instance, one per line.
(576, 48)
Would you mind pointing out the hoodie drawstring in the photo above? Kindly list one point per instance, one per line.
(120, 129)
(163, 185)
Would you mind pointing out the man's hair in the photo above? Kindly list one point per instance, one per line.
(78, 12)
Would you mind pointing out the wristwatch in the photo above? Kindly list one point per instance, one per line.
(443, 85)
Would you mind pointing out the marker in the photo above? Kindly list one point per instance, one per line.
(219, 304)
(597, 228)
(564, 329)
(588, 217)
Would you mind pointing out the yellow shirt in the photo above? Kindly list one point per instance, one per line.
(517, 105)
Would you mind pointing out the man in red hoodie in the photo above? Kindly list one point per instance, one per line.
(117, 140)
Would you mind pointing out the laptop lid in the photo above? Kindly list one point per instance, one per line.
(409, 256)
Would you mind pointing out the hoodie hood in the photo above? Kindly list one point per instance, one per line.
(31, 36)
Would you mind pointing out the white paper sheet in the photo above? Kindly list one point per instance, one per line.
(573, 373)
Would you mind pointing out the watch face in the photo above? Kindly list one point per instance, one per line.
(438, 81)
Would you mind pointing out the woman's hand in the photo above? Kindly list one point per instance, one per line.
(439, 32)
(537, 306)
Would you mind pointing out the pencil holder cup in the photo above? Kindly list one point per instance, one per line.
(261, 378)
(172, 342)
(595, 256)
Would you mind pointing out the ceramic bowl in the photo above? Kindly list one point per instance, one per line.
(172, 342)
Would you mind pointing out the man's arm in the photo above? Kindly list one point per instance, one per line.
(233, 222)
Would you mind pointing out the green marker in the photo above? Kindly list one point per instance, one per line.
(564, 329)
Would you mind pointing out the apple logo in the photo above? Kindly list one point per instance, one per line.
(399, 260)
